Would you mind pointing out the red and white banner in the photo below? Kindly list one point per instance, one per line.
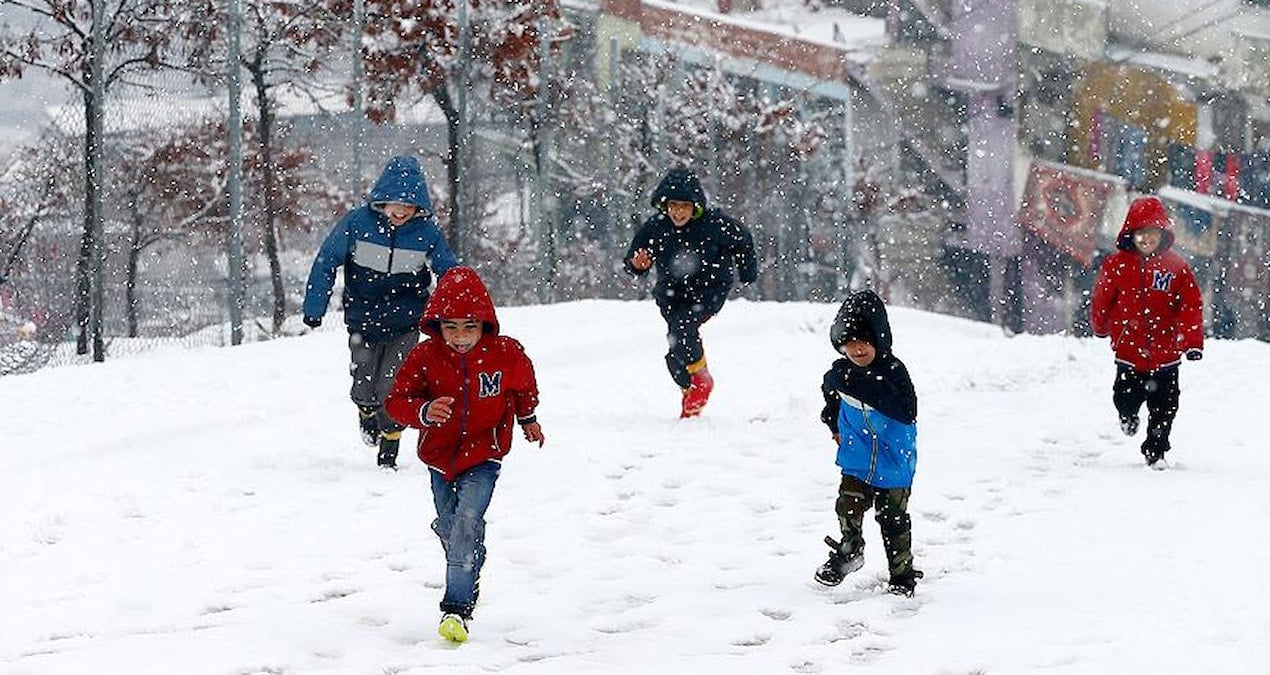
(1065, 206)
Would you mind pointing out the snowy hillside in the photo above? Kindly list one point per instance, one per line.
(212, 511)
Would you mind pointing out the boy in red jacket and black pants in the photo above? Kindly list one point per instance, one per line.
(464, 388)
(1146, 299)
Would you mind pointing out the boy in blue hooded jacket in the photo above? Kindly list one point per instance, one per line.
(389, 249)
(871, 410)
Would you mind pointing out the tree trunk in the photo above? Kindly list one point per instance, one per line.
(442, 96)
(265, 130)
(83, 262)
(131, 303)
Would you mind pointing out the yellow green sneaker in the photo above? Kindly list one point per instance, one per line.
(453, 628)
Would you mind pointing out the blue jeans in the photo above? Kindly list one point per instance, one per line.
(460, 525)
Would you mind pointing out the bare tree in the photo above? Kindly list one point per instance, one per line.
(288, 46)
(445, 49)
(137, 36)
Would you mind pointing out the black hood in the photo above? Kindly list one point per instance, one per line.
(862, 313)
(681, 185)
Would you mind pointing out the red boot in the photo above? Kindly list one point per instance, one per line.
(698, 392)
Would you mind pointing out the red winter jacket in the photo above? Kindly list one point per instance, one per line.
(1151, 307)
(493, 384)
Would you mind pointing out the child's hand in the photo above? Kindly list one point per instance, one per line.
(642, 259)
(439, 410)
(533, 433)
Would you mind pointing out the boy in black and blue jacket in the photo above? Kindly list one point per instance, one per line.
(871, 410)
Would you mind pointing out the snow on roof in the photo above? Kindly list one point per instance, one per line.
(1170, 63)
(1201, 27)
(1208, 202)
(124, 115)
(829, 26)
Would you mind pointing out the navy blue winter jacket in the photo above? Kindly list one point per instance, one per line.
(873, 409)
(387, 270)
(699, 260)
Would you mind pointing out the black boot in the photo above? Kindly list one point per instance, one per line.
(840, 564)
(904, 583)
(368, 422)
(389, 442)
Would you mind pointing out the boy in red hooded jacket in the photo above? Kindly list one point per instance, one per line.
(463, 388)
(1147, 300)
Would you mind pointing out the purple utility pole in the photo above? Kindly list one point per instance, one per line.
(984, 65)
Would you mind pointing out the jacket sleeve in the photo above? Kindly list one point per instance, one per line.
(744, 255)
(643, 239)
(524, 389)
(409, 390)
(905, 395)
(317, 293)
(1190, 315)
(441, 257)
(1104, 298)
(829, 414)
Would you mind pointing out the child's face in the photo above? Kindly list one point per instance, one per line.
(680, 212)
(859, 352)
(461, 334)
(398, 214)
(1147, 240)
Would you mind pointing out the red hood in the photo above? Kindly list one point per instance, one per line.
(460, 294)
(1146, 212)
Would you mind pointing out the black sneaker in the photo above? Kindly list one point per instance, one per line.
(839, 564)
(368, 423)
(904, 584)
(1129, 424)
(388, 452)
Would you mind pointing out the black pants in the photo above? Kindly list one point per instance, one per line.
(683, 331)
(1159, 390)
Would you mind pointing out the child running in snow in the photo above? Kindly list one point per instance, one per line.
(386, 248)
(871, 410)
(1146, 299)
(463, 388)
(697, 249)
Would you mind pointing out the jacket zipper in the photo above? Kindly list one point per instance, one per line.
(1146, 312)
(458, 445)
(873, 456)
(392, 246)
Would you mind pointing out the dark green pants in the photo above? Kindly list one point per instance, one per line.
(854, 499)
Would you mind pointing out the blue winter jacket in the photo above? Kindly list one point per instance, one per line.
(387, 270)
(873, 409)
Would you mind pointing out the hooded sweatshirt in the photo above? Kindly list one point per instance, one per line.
(386, 268)
(1150, 306)
(873, 408)
(493, 384)
(699, 260)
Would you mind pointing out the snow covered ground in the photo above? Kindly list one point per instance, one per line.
(212, 511)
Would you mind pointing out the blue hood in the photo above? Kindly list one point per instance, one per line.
(402, 182)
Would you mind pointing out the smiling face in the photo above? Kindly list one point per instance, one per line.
(1147, 240)
(461, 335)
(399, 213)
(680, 212)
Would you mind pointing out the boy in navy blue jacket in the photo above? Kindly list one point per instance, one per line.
(699, 252)
(871, 410)
(389, 248)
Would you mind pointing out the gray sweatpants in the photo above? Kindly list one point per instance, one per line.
(373, 367)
